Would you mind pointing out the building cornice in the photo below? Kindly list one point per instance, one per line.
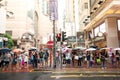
(111, 10)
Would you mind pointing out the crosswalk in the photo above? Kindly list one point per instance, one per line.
(83, 74)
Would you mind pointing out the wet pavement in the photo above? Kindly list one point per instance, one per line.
(56, 75)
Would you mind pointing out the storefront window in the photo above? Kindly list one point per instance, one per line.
(119, 25)
(102, 28)
(96, 30)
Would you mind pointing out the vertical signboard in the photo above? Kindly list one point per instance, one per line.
(53, 9)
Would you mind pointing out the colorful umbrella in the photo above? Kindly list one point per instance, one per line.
(4, 50)
(18, 50)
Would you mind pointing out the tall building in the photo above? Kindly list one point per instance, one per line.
(2, 16)
(45, 29)
(20, 24)
(103, 30)
(2, 21)
(69, 18)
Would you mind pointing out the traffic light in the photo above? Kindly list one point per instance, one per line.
(64, 36)
(58, 36)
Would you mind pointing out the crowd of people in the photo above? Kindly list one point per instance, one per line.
(68, 58)
(24, 60)
(102, 58)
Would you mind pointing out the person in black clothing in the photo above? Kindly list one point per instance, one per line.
(35, 60)
(46, 58)
(103, 56)
(41, 58)
(80, 55)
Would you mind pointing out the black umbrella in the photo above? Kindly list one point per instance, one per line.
(4, 50)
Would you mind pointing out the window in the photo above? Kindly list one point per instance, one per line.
(9, 32)
(45, 7)
(102, 28)
(96, 30)
(86, 5)
(119, 25)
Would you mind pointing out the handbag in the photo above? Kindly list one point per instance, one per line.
(76, 57)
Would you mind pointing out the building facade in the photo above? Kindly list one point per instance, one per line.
(20, 21)
(103, 28)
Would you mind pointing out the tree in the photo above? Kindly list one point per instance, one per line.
(9, 43)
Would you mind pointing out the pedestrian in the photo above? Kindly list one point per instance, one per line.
(41, 58)
(46, 58)
(14, 62)
(26, 61)
(57, 56)
(117, 56)
(68, 58)
(80, 56)
(35, 61)
(113, 59)
(22, 62)
(102, 61)
(88, 59)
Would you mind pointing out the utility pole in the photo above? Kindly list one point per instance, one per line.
(61, 50)
(54, 47)
(53, 7)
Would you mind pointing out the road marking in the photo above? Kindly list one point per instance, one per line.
(81, 75)
(41, 71)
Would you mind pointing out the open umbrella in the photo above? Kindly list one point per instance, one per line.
(116, 48)
(18, 50)
(106, 48)
(4, 50)
(45, 49)
(32, 49)
(80, 48)
(90, 49)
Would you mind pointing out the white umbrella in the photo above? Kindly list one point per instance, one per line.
(116, 48)
(106, 48)
(90, 49)
(81, 48)
(32, 48)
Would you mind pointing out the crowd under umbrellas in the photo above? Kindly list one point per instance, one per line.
(12, 59)
(71, 57)
(91, 57)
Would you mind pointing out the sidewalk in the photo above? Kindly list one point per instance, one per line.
(83, 70)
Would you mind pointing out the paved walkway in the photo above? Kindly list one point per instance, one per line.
(95, 68)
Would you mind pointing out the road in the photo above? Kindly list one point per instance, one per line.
(56, 75)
